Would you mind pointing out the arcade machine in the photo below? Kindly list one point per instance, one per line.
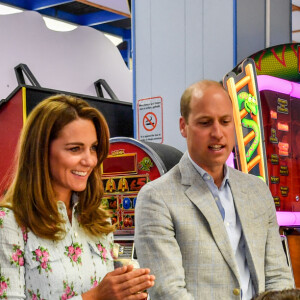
(128, 167)
(16, 107)
(267, 117)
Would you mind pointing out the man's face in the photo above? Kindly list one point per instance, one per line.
(209, 130)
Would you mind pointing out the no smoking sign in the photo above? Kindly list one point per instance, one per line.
(150, 120)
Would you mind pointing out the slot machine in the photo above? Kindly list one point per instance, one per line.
(129, 166)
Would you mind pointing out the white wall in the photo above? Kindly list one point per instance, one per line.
(178, 43)
(69, 61)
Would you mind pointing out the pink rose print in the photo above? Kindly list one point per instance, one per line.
(94, 281)
(21, 261)
(68, 291)
(17, 257)
(38, 253)
(4, 284)
(71, 249)
(103, 251)
(25, 234)
(41, 255)
(34, 296)
(45, 256)
(74, 252)
(78, 251)
(3, 213)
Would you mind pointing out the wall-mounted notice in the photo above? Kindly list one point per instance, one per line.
(150, 119)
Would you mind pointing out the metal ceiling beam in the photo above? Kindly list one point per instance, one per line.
(59, 14)
(91, 19)
(42, 4)
(104, 8)
(23, 4)
(100, 17)
(110, 29)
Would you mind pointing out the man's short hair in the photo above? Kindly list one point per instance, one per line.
(188, 93)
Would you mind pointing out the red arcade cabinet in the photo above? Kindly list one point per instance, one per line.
(128, 167)
(278, 93)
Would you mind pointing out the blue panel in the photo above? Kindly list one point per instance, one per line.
(126, 34)
(52, 12)
(18, 3)
(41, 4)
(109, 29)
(99, 18)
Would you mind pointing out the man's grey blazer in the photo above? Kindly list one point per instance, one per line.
(181, 237)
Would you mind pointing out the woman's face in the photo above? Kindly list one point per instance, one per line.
(72, 157)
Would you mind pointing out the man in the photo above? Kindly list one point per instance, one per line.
(208, 231)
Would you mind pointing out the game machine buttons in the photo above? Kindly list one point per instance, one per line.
(129, 165)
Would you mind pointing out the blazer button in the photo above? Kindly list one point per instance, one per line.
(236, 292)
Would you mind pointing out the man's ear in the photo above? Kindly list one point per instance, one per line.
(182, 126)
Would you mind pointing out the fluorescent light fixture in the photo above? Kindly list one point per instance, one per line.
(58, 25)
(7, 10)
(114, 39)
(55, 24)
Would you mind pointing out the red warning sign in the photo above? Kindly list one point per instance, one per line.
(150, 121)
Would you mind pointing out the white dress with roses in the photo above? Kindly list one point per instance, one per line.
(36, 268)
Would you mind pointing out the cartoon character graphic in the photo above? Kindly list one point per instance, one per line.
(145, 164)
(251, 107)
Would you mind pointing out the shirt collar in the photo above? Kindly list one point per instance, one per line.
(206, 176)
(74, 202)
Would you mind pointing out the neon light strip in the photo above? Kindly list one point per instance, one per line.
(265, 82)
(288, 218)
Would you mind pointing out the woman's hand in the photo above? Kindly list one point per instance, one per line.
(122, 284)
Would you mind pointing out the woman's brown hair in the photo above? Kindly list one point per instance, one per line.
(31, 195)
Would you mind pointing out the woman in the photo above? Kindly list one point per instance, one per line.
(55, 240)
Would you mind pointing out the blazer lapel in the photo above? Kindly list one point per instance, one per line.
(245, 213)
(199, 193)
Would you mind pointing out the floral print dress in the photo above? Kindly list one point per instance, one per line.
(36, 268)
